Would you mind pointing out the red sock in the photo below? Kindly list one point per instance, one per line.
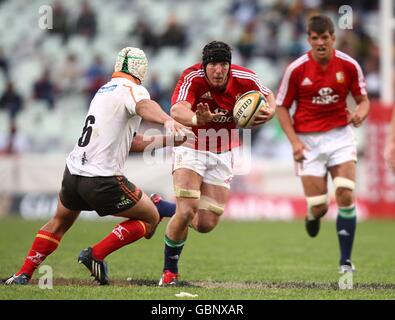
(124, 233)
(43, 245)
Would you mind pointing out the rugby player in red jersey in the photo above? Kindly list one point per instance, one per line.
(320, 132)
(203, 99)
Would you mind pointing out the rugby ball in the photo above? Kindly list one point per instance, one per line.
(246, 106)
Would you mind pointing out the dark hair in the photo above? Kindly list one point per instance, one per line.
(320, 24)
(216, 51)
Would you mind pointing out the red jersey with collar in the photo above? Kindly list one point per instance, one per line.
(221, 135)
(320, 95)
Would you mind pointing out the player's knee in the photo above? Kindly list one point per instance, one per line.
(187, 203)
(151, 223)
(344, 191)
(187, 210)
(317, 205)
(205, 226)
(344, 197)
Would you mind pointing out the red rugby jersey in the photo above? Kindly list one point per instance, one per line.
(193, 87)
(320, 95)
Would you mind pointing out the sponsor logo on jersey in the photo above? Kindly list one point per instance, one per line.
(306, 82)
(225, 118)
(326, 96)
(340, 77)
(107, 89)
(207, 95)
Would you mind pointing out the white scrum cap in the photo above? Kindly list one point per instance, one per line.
(133, 61)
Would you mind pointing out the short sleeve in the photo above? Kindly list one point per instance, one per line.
(287, 91)
(134, 95)
(185, 88)
(358, 83)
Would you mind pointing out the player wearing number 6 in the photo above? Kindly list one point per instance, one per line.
(94, 175)
(321, 135)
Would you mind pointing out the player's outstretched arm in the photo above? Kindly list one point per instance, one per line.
(181, 112)
(151, 111)
(141, 142)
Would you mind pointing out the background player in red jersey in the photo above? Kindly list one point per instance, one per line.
(204, 99)
(320, 133)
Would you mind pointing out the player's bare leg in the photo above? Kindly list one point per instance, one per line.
(144, 211)
(45, 242)
(143, 218)
(343, 176)
(315, 190)
(187, 184)
(211, 206)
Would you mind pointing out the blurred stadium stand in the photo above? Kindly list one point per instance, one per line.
(30, 50)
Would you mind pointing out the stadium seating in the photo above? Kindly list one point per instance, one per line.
(31, 49)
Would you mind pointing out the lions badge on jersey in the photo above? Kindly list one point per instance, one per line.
(340, 77)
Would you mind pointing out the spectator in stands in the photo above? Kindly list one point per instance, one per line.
(13, 103)
(247, 42)
(148, 39)
(270, 47)
(157, 93)
(87, 22)
(4, 64)
(61, 23)
(69, 72)
(44, 89)
(174, 34)
(295, 48)
(244, 11)
(96, 76)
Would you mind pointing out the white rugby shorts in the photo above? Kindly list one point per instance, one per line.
(327, 149)
(215, 168)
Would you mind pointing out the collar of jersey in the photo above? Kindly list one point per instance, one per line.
(310, 54)
(124, 75)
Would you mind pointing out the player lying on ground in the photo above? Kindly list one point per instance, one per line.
(93, 178)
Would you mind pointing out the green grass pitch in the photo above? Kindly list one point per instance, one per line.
(238, 260)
